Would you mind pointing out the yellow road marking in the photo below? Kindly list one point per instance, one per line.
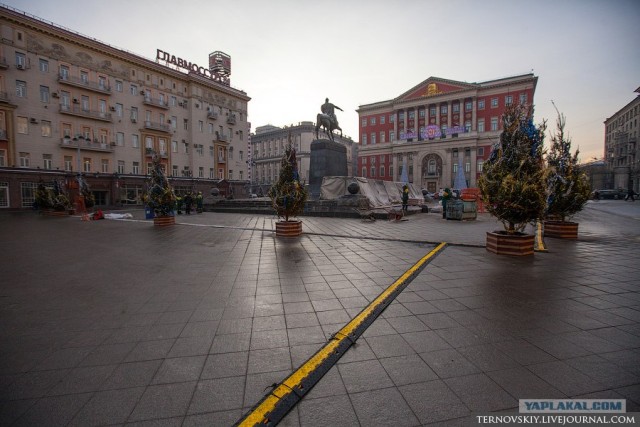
(260, 414)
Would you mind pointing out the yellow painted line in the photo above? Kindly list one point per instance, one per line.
(260, 415)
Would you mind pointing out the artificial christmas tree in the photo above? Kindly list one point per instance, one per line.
(568, 187)
(161, 197)
(288, 195)
(512, 183)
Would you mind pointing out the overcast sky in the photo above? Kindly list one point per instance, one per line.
(288, 55)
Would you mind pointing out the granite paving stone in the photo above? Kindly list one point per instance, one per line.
(199, 329)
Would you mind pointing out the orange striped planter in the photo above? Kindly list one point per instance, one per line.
(288, 228)
(163, 221)
(561, 229)
(502, 243)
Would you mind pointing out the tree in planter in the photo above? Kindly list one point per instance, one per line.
(288, 195)
(85, 192)
(51, 198)
(512, 183)
(160, 197)
(568, 187)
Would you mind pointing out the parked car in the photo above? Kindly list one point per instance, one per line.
(618, 194)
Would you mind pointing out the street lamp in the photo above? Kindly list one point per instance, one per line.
(77, 139)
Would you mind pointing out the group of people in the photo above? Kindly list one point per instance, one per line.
(187, 202)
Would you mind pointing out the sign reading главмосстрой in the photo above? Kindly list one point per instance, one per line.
(574, 406)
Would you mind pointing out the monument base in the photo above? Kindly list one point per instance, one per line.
(328, 158)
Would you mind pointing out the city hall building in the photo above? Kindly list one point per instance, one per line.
(70, 104)
(436, 127)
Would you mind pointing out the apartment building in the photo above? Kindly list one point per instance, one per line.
(70, 104)
(620, 147)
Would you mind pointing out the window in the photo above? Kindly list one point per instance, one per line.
(432, 111)
(119, 110)
(480, 165)
(174, 146)
(373, 120)
(44, 94)
(364, 139)
(455, 167)
(401, 116)
(21, 89)
(480, 151)
(120, 166)
(120, 139)
(467, 106)
(364, 121)
(444, 109)
(105, 165)
(494, 102)
(241, 155)
(373, 138)
(481, 104)
(230, 174)
(480, 125)
(186, 124)
(67, 163)
(45, 128)
(28, 193)
(86, 164)
(392, 135)
(200, 149)
(64, 72)
(422, 113)
(467, 167)
(382, 137)
(174, 122)
(3, 158)
(523, 98)
(412, 114)
(133, 89)
(4, 195)
(373, 172)
(381, 171)
(135, 141)
(85, 103)
(382, 119)
(43, 65)
(47, 161)
(364, 171)
(24, 160)
(494, 123)
(119, 86)
(162, 145)
(22, 126)
(136, 168)
(134, 114)
(508, 100)
(200, 126)
(174, 170)
(211, 151)
(392, 118)
(21, 60)
(200, 172)
(456, 108)
(467, 126)
(84, 77)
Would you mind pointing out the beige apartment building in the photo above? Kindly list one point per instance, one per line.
(621, 145)
(269, 142)
(70, 103)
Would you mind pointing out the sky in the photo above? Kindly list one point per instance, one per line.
(289, 55)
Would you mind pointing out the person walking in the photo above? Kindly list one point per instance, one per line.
(631, 195)
(188, 202)
(446, 195)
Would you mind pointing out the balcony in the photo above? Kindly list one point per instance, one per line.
(221, 159)
(231, 120)
(156, 102)
(157, 126)
(80, 112)
(3, 63)
(84, 84)
(212, 115)
(86, 145)
(221, 137)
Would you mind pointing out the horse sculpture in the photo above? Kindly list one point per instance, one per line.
(329, 125)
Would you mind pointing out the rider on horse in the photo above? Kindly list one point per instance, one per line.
(329, 109)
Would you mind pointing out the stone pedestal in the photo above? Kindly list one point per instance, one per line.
(327, 159)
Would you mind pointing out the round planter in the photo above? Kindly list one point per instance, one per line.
(163, 221)
(518, 244)
(561, 229)
(288, 228)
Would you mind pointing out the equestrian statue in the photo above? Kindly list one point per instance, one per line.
(328, 120)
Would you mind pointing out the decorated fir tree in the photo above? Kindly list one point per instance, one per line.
(512, 184)
(160, 197)
(51, 198)
(288, 195)
(568, 187)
